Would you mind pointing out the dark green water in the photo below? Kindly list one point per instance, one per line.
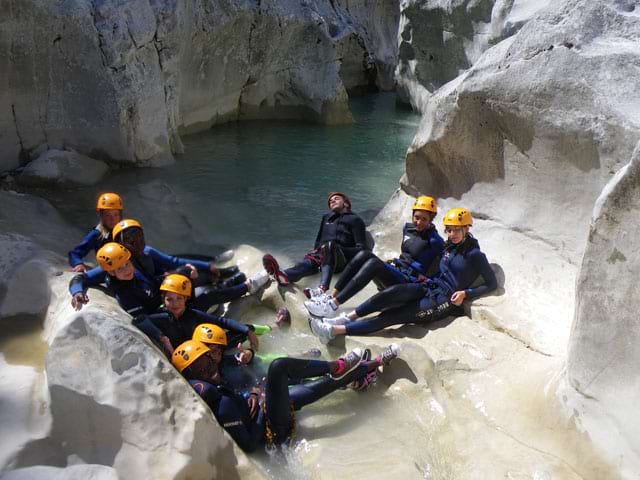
(262, 183)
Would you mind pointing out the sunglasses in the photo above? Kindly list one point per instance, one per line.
(454, 229)
(131, 234)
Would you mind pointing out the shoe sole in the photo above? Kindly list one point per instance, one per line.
(348, 371)
(272, 267)
(318, 333)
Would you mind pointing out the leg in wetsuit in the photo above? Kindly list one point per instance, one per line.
(433, 306)
(215, 296)
(302, 269)
(280, 398)
(362, 269)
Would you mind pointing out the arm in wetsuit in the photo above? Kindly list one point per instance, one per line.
(359, 232)
(91, 241)
(81, 282)
(481, 265)
(168, 262)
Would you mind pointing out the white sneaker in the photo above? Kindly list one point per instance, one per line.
(258, 281)
(389, 354)
(321, 308)
(313, 293)
(321, 330)
(341, 319)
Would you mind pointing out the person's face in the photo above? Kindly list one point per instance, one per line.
(133, 239)
(109, 218)
(456, 234)
(174, 303)
(206, 367)
(125, 272)
(421, 219)
(336, 203)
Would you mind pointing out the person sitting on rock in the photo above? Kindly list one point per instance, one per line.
(134, 292)
(265, 416)
(421, 249)
(154, 265)
(178, 321)
(460, 267)
(109, 208)
(341, 236)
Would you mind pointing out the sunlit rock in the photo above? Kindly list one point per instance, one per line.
(59, 167)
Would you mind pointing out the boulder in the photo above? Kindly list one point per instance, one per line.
(603, 353)
(75, 472)
(59, 167)
(440, 40)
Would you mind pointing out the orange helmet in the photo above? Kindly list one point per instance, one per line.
(123, 225)
(458, 217)
(176, 283)
(425, 203)
(187, 353)
(210, 334)
(109, 201)
(112, 256)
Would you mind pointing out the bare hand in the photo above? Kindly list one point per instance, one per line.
(78, 300)
(80, 268)
(243, 356)
(215, 273)
(193, 271)
(166, 344)
(253, 403)
(253, 340)
(458, 297)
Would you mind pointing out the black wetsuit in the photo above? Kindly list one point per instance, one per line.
(340, 237)
(276, 421)
(181, 329)
(460, 266)
(419, 251)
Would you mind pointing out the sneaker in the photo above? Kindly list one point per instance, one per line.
(258, 281)
(350, 362)
(273, 268)
(312, 353)
(321, 330)
(341, 319)
(389, 354)
(224, 256)
(366, 382)
(321, 308)
(312, 293)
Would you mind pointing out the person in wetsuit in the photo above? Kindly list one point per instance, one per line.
(134, 292)
(153, 264)
(342, 234)
(265, 416)
(109, 208)
(179, 320)
(421, 249)
(461, 265)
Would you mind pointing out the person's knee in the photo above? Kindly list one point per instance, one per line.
(278, 367)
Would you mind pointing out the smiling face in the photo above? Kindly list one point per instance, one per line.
(206, 367)
(456, 234)
(125, 272)
(421, 219)
(174, 303)
(109, 218)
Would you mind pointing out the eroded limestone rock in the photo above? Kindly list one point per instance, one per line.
(59, 167)
(603, 353)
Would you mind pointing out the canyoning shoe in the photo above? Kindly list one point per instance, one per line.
(312, 353)
(364, 383)
(321, 330)
(273, 268)
(321, 308)
(389, 354)
(283, 317)
(228, 272)
(341, 319)
(312, 293)
(258, 281)
(224, 256)
(348, 363)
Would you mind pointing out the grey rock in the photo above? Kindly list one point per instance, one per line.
(58, 167)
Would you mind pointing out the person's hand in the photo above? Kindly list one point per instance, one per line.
(78, 300)
(243, 356)
(166, 344)
(80, 268)
(254, 401)
(193, 271)
(458, 297)
(215, 273)
(253, 340)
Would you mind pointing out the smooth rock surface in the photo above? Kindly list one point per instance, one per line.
(440, 40)
(63, 168)
(603, 353)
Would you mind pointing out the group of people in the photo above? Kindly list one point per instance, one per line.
(254, 396)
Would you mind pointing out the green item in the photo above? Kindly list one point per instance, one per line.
(261, 329)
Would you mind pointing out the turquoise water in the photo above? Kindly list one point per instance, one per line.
(264, 183)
